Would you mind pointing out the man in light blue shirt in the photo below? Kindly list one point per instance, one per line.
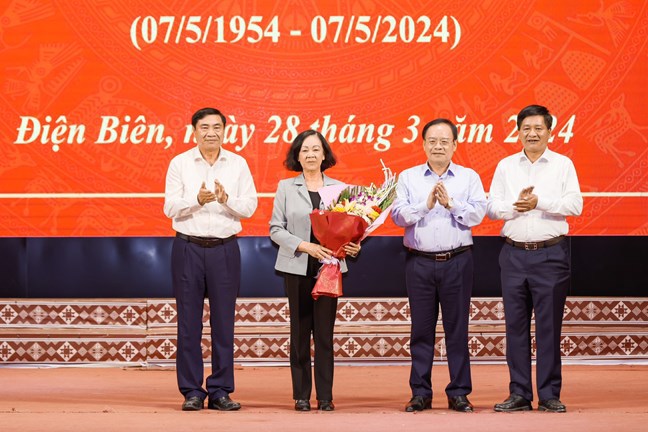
(438, 203)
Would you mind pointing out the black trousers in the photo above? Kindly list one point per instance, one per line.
(316, 317)
(198, 273)
(534, 281)
(430, 284)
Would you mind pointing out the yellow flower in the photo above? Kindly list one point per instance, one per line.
(373, 215)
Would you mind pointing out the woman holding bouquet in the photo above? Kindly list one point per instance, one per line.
(299, 252)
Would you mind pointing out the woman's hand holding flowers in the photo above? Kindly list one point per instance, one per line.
(315, 250)
(352, 249)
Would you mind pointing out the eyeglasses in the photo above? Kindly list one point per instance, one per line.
(443, 142)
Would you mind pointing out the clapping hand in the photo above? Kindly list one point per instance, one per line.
(441, 194)
(221, 195)
(205, 195)
(526, 201)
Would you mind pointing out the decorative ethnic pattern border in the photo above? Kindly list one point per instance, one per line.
(72, 314)
(357, 347)
(362, 347)
(156, 313)
(143, 331)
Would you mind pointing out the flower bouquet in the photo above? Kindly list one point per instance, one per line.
(350, 214)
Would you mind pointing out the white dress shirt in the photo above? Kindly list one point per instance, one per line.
(187, 171)
(554, 179)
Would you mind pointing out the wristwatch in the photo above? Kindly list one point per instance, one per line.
(450, 204)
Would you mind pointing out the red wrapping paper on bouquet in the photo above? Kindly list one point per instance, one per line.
(333, 230)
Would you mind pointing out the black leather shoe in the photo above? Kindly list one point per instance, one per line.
(193, 403)
(223, 404)
(325, 405)
(418, 403)
(515, 402)
(302, 405)
(460, 403)
(552, 405)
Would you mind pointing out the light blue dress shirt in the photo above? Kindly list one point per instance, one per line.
(438, 229)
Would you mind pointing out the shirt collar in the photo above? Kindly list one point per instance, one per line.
(547, 156)
(451, 171)
(198, 156)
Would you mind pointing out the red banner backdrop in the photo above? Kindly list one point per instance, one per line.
(97, 97)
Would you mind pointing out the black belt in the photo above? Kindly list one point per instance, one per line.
(440, 256)
(206, 242)
(531, 246)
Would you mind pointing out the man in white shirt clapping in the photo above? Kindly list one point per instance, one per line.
(533, 191)
(208, 190)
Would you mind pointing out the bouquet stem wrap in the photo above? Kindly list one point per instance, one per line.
(334, 230)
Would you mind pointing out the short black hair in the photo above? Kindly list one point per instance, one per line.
(292, 156)
(204, 112)
(534, 110)
(438, 121)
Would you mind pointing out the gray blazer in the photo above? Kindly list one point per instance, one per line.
(290, 224)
